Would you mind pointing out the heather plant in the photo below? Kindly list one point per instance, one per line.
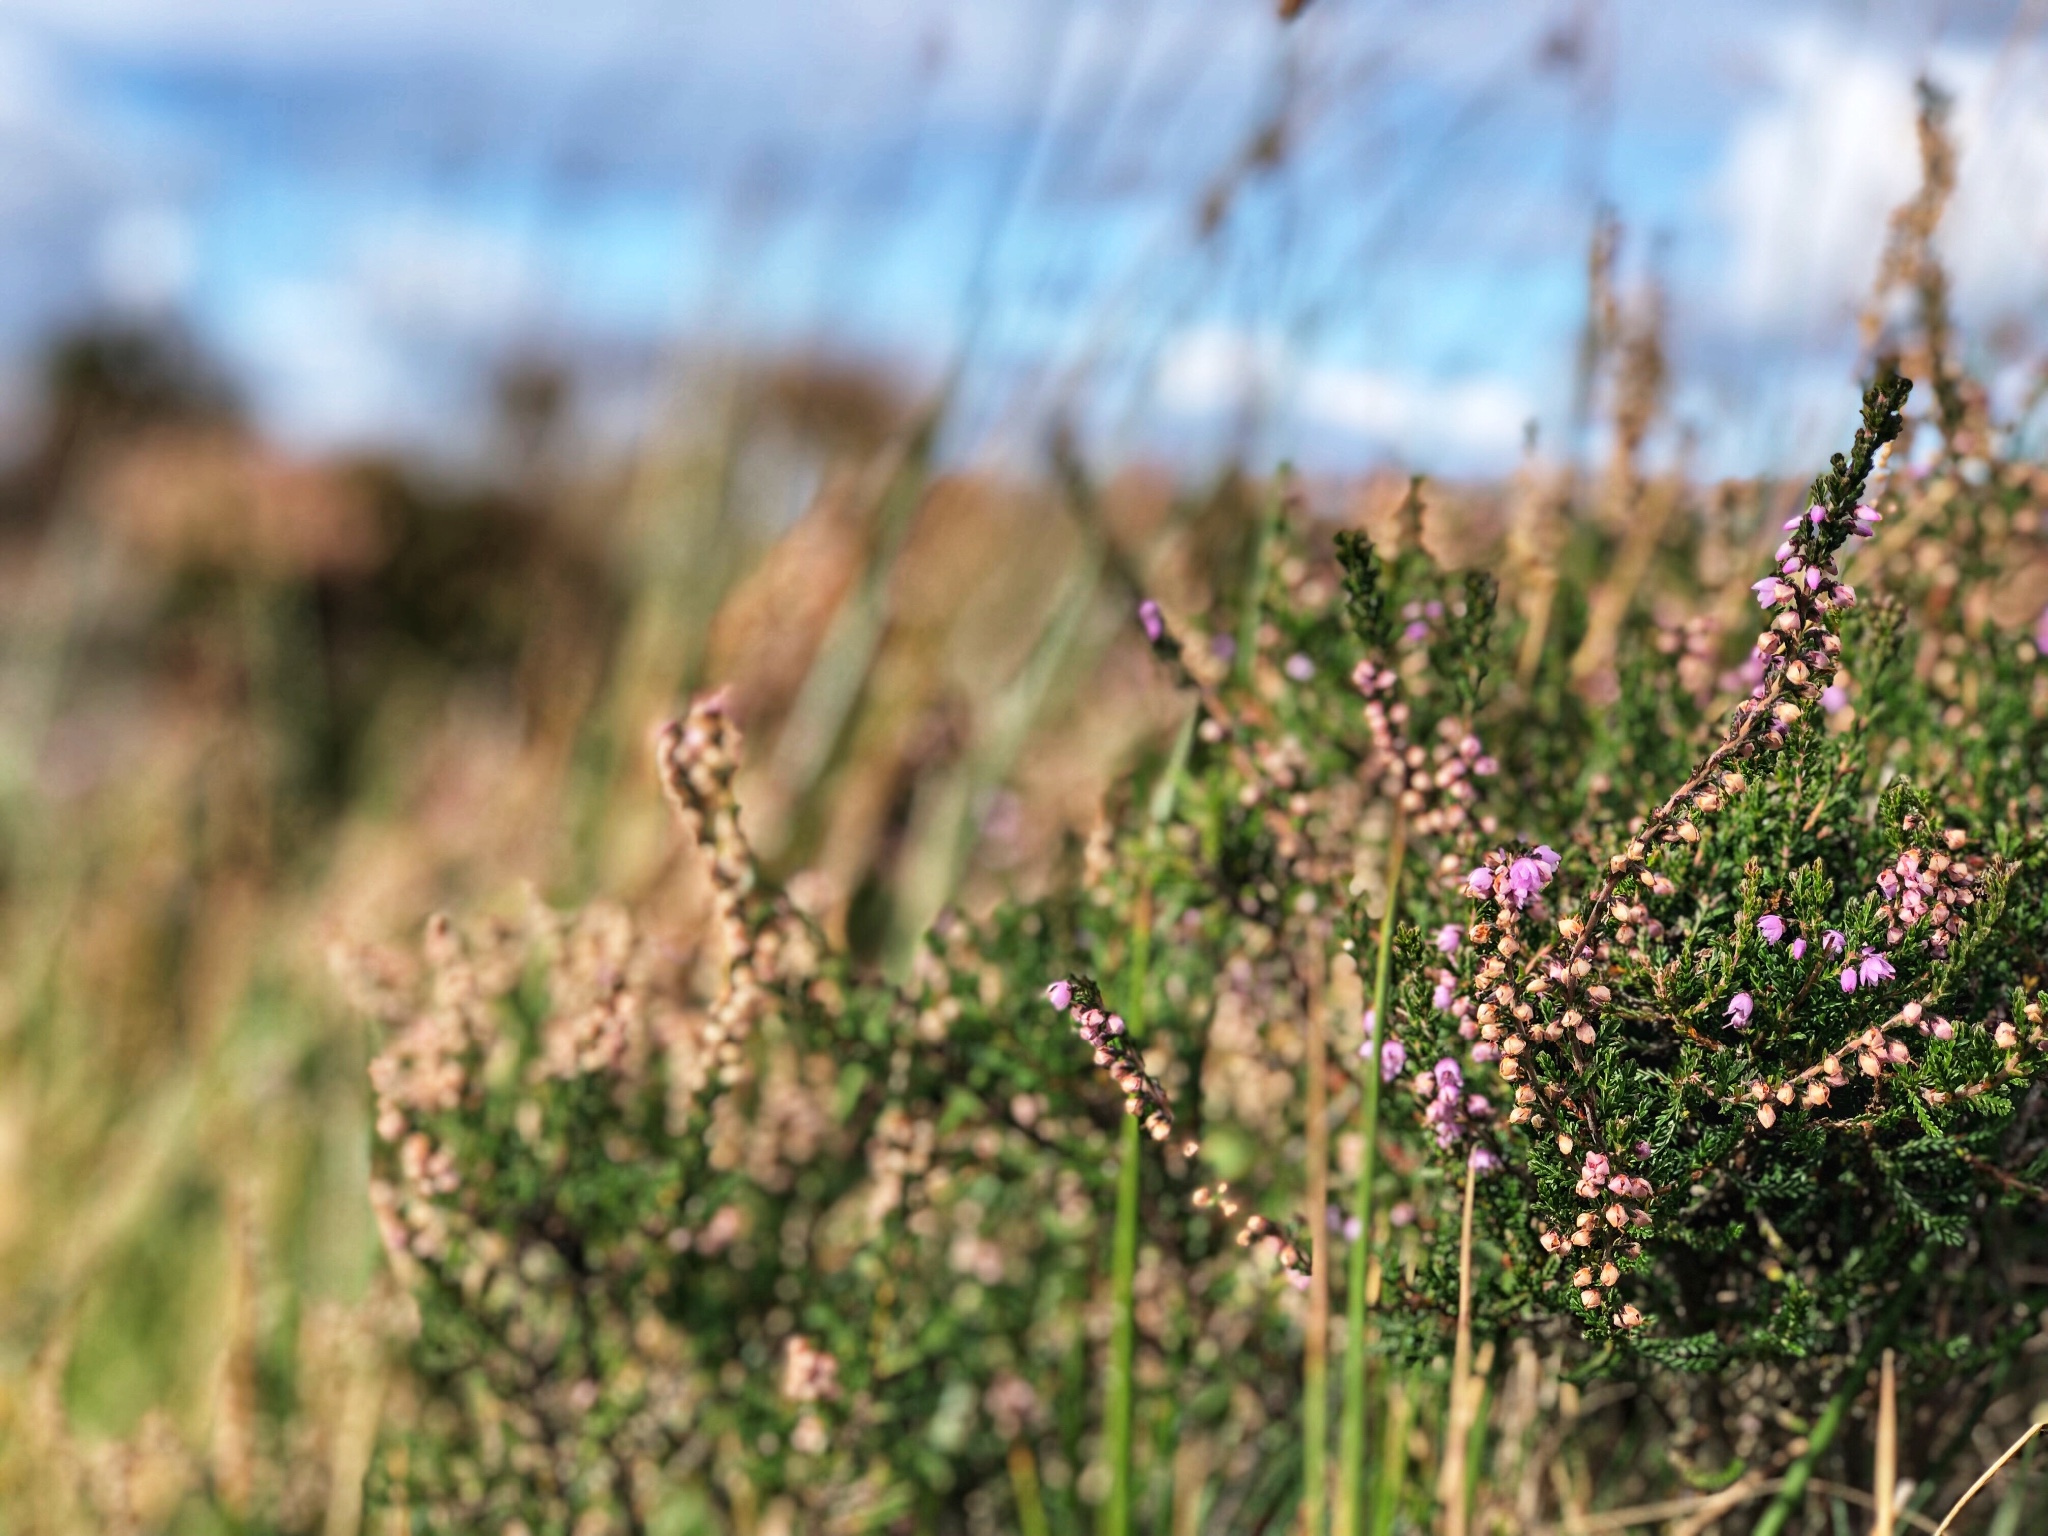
(1719, 1007)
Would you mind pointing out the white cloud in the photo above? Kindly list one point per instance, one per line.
(1449, 421)
(1811, 177)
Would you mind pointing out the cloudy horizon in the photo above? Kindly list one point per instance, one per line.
(1364, 235)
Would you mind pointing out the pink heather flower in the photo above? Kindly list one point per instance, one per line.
(1527, 876)
(1449, 1080)
(1814, 577)
(1845, 595)
(1740, 1007)
(1061, 995)
(1548, 857)
(1153, 621)
(1223, 647)
(1874, 968)
(1446, 991)
(1798, 949)
(1449, 937)
(1300, 668)
(1369, 1023)
(1771, 926)
(1816, 515)
(1770, 592)
(1834, 697)
(1482, 1160)
(1393, 1057)
(1484, 1052)
(2041, 632)
(1596, 1169)
(1480, 882)
(1834, 939)
(1416, 631)
(1788, 525)
(1402, 1215)
(1848, 978)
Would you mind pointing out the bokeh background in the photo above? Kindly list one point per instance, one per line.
(403, 406)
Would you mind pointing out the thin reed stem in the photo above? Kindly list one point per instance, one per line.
(1989, 1473)
(1031, 1519)
(1451, 1479)
(1352, 1432)
(1887, 1445)
(1120, 1398)
(1392, 1482)
(1315, 1354)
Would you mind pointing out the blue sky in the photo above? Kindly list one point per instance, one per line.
(363, 208)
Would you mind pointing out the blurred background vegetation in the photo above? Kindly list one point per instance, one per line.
(265, 691)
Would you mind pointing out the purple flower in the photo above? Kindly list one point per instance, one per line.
(1449, 937)
(1393, 1057)
(1644, 1149)
(1223, 647)
(1848, 978)
(1770, 592)
(1061, 995)
(1814, 577)
(1834, 939)
(1740, 1007)
(1798, 950)
(1771, 926)
(1449, 1080)
(1369, 1023)
(1834, 697)
(1446, 991)
(1867, 519)
(1300, 668)
(1154, 623)
(2041, 632)
(1874, 968)
(1416, 631)
(1526, 877)
(1480, 882)
(1482, 1160)
(1816, 515)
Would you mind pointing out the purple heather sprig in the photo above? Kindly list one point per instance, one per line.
(1937, 885)
(1081, 1000)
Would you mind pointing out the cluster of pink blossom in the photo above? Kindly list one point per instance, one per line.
(809, 1374)
(1448, 1109)
(1258, 1231)
(1799, 652)
(1936, 884)
(1513, 879)
(1432, 785)
(1103, 1032)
